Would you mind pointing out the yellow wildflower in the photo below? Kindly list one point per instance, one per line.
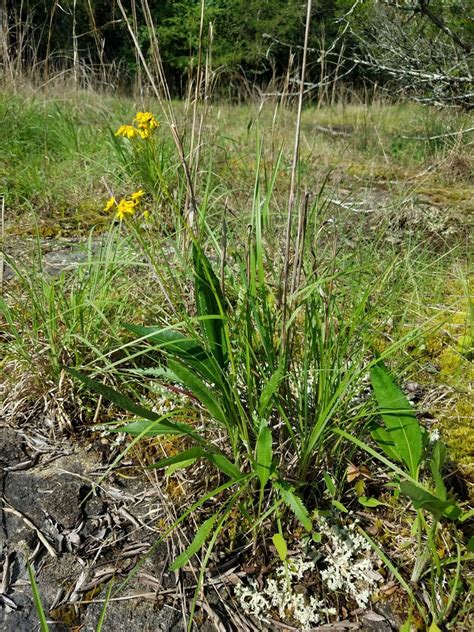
(146, 124)
(110, 203)
(127, 131)
(145, 133)
(125, 207)
(146, 120)
(146, 215)
(137, 196)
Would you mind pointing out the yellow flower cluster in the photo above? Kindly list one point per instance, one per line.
(145, 125)
(126, 206)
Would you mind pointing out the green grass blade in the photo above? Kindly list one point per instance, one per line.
(207, 398)
(210, 304)
(201, 536)
(122, 401)
(103, 612)
(264, 455)
(37, 599)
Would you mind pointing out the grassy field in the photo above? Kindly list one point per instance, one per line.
(265, 357)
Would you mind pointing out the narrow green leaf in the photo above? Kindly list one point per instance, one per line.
(225, 465)
(197, 452)
(406, 626)
(171, 469)
(197, 543)
(264, 454)
(37, 599)
(295, 504)
(339, 506)
(210, 304)
(399, 418)
(157, 428)
(329, 484)
(122, 401)
(281, 546)
(188, 349)
(271, 387)
(207, 398)
(186, 455)
(103, 611)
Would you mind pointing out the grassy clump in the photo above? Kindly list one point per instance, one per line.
(270, 359)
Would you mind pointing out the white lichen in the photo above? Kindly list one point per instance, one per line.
(349, 566)
(345, 561)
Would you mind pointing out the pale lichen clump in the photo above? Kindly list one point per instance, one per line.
(347, 568)
(281, 595)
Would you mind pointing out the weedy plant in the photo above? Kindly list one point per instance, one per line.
(272, 381)
(416, 462)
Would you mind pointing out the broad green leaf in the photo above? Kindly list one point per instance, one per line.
(423, 499)
(210, 305)
(434, 628)
(207, 398)
(264, 454)
(399, 418)
(466, 515)
(280, 545)
(470, 544)
(453, 512)
(197, 543)
(295, 504)
(416, 526)
(439, 454)
(384, 441)
(369, 502)
(271, 387)
(171, 341)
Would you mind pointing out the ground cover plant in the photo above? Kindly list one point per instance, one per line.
(275, 324)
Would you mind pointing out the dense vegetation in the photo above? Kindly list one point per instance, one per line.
(251, 322)
(418, 44)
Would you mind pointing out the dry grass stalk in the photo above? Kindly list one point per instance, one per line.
(293, 183)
